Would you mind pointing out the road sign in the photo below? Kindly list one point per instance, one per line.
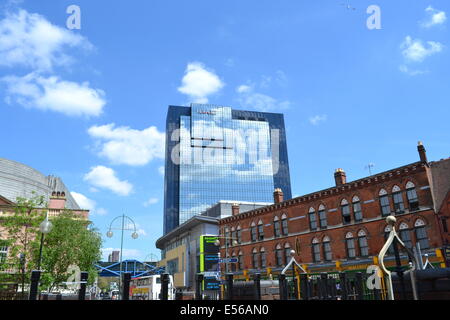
(229, 260)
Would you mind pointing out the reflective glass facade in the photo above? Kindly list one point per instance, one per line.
(215, 153)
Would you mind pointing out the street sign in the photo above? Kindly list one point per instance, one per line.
(229, 260)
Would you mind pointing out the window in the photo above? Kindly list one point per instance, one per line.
(363, 245)
(287, 253)
(312, 219)
(421, 234)
(357, 212)
(384, 203)
(399, 207)
(345, 209)
(240, 261)
(227, 237)
(233, 265)
(316, 250)
(405, 235)
(263, 258)
(3, 253)
(260, 231)
(284, 225)
(350, 244)
(411, 194)
(238, 235)
(322, 216)
(253, 232)
(327, 248)
(278, 255)
(276, 227)
(233, 236)
(255, 260)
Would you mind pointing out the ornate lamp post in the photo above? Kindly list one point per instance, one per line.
(45, 227)
(134, 235)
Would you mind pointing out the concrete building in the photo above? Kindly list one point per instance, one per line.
(343, 227)
(180, 248)
(114, 256)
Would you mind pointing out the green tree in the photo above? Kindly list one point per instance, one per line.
(70, 242)
(22, 228)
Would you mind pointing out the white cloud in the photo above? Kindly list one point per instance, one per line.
(150, 201)
(52, 93)
(434, 17)
(86, 203)
(198, 82)
(411, 72)
(123, 145)
(104, 177)
(29, 40)
(161, 170)
(248, 98)
(317, 119)
(416, 51)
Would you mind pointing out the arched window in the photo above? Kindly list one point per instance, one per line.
(357, 212)
(238, 234)
(312, 219)
(253, 231)
(405, 235)
(384, 203)
(326, 248)
(227, 237)
(279, 255)
(421, 234)
(363, 245)
(345, 209)
(411, 194)
(233, 236)
(284, 225)
(260, 230)
(316, 250)
(350, 244)
(240, 261)
(255, 259)
(263, 258)
(322, 216)
(276, 227)
(287, 253)
(397, 197)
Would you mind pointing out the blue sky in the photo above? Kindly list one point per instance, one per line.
(89, 105)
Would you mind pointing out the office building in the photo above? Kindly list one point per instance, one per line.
(215, 153)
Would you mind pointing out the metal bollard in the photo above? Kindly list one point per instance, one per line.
(164, 286)
(257, 281)
(82, 292)
(359, 286)
(35, 276)
(343, 285)
(282, 286)
(198, 287)
(324, 286)
(229, 292)
(304, 284)
(126, 278)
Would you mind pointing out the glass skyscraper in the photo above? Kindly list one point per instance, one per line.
(216, 153)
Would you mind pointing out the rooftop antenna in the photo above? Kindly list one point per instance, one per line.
(369, 166)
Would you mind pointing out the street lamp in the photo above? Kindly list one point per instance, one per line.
(45, 227)
(134, 235)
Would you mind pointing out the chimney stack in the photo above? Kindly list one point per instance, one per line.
(340, 177)
(235, 209)
(422, 152)
(278, 195)
(57, 200)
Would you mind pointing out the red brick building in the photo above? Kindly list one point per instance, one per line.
(343, 227)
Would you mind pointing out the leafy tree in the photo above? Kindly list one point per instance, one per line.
(22, 227)
(70, 242)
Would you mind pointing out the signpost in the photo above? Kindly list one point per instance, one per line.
(209, 262)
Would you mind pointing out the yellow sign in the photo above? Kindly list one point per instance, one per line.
(139, 290)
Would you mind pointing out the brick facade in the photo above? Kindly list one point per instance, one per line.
(332, 243)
